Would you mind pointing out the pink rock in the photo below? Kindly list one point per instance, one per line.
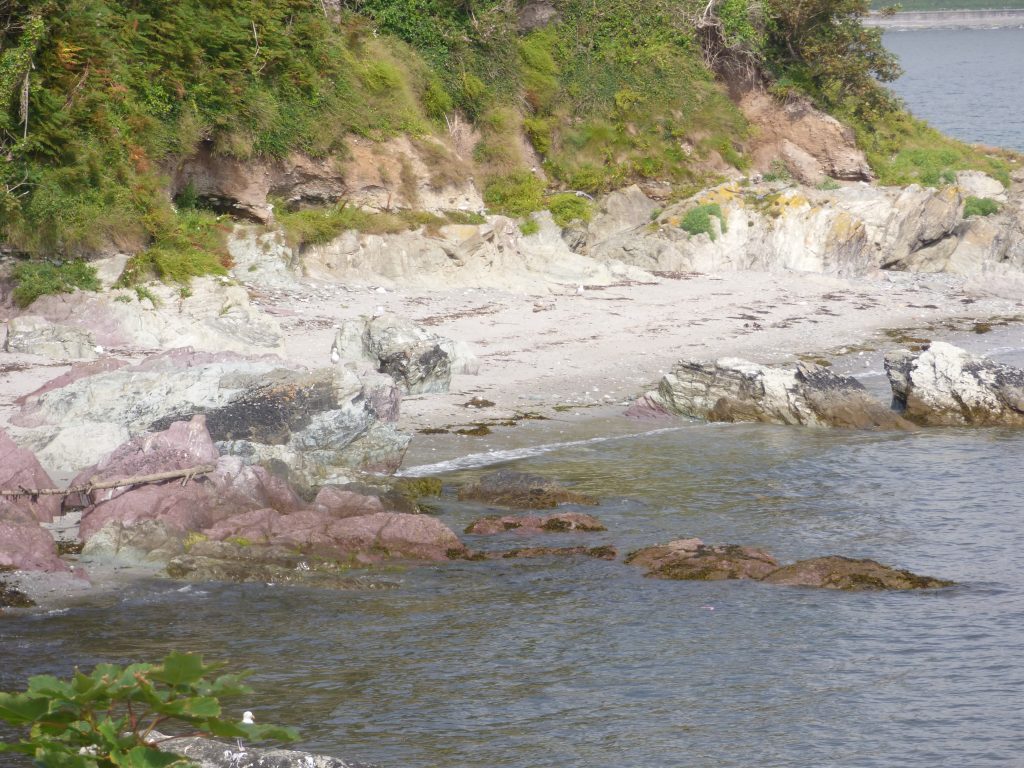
(19, 468)
(25, 546)
(339, 502)
(183, 445)
(369, 538)
(647, 407)
(198, 503)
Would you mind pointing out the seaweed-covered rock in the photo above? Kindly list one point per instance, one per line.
(947, 386)
(556, 523)
(737, 390)
(506, 488)
(691, 559)
(835, 572)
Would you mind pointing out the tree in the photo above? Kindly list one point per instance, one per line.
(822, 47)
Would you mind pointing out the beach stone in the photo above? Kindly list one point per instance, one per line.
(418, 359)
(835, 572)
(207, 753)
(692, 560)
(34, 335)
(557, 523)
(507, 488)
(944, 385)
(737, 390)
(19, 468)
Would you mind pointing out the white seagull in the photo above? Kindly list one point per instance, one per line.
(247, 719)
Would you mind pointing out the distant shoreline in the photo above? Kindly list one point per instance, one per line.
(911, 20)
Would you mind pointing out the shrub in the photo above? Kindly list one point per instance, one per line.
(566, 208)
(529, 227)
(40, 278)
(980, 206)
(108, 717)
(516, 194)
(698, 220)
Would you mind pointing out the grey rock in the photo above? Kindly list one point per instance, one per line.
(417, 359)
(738, 390)
(33, 335)
(947, 386)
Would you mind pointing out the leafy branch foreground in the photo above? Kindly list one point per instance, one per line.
(110, 717)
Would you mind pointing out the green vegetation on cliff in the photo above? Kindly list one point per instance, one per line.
(102, 99)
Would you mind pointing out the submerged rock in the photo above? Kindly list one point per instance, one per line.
(737, 390)
(526, 553)
(557, 523)
(691, 559)
(835, 572)
(12, 597)
(946, 386)
(506, 488)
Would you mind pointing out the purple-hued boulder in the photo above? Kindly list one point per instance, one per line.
(339, 502)
(26, 546)
(19, 468)
(691, 559)
(367, 539)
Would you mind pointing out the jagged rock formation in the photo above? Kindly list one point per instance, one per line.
(946, 386)
(737, 390)
(314, 423)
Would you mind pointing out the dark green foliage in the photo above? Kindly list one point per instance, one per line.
(106, 718)
(567, 208)
(40, 278)
(697, 220)
(315, 226)
(980, 206)
(517, 194)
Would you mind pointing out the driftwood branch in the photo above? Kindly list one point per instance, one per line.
(185, 474)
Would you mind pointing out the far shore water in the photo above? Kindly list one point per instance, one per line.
(979, 19)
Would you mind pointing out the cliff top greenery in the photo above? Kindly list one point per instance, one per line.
(101, 99)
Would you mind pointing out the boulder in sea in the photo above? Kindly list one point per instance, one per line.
(528, 553)
(415, 357)
(506, 488)
(835, 572)
(25, 545)
(737, 390)
(944, 385)
(557, 523)
(692, 560)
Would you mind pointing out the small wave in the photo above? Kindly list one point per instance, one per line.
(475, 460)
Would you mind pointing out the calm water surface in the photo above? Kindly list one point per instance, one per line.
(968, 83)
(585, 663)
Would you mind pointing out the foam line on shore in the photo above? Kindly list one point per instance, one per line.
(477, 460)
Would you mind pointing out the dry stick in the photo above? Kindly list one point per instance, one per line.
(185, 474)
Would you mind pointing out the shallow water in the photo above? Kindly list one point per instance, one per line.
(580, 663)
(966, 82)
